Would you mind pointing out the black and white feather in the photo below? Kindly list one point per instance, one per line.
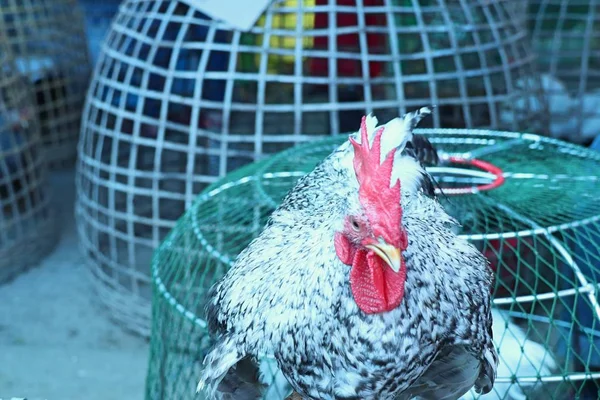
(288, 295)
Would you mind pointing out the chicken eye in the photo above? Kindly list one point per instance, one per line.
(354, 224)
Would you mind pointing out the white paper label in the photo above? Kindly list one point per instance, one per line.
(240, 14)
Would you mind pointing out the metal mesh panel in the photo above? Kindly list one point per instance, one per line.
(27, 227)
(540, 230)
(566, 36)
(177, 101)
(48, 40)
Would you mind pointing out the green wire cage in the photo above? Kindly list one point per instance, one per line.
(530, 204)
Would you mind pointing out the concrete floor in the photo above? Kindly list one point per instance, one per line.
(56, 342)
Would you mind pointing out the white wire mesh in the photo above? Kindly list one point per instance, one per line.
(49, 43)
(27, 227)
(176, 101)
(566, 35)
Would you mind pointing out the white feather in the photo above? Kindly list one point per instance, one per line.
(533, 359)
(395, 135)
(220, 362)
(409, 172)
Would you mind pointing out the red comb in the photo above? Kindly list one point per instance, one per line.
(380, 201)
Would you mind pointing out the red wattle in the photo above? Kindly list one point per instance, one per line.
(375, 286)
(343, 248)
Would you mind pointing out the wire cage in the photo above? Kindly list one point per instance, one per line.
(48, 40)
(566, 38)
(27, 226)
(530, 204)
(177, 101)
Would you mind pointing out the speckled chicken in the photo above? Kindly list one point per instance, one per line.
(357, 285)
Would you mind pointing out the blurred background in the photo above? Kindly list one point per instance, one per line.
(116, 114)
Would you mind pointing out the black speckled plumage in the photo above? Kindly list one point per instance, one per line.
(288, 295)
(421, 148)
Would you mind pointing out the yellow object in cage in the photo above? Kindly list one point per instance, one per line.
(288, 22)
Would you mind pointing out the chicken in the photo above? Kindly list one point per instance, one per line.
(357, 285)
(572, 118)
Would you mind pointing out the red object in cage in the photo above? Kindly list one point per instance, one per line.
(350, 42)
(507, 249)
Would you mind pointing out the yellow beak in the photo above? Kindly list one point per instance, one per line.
(388, 253)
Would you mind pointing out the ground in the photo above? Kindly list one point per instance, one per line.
(56, 342)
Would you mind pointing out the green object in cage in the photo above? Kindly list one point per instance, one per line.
(530, 204)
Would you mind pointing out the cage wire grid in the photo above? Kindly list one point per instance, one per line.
(27, 226)
(566, 36)
(540, 230)
(177, 101)
(48, 40)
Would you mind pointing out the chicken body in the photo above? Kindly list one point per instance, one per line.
(289, 295)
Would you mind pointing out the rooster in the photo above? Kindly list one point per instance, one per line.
(357, 285)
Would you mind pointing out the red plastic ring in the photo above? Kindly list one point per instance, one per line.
(485, 166)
